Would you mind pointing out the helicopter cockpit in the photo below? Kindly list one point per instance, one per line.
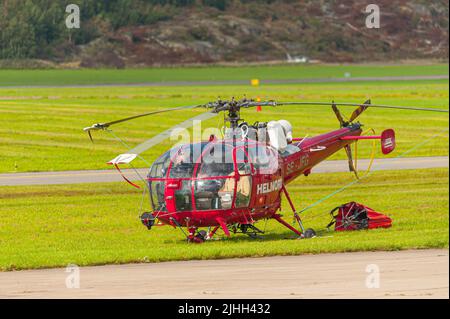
(205, 176)
(217, 175)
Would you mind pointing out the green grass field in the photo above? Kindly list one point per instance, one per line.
(49, 226)
(87, 224)
(269, 72)
(41, 128)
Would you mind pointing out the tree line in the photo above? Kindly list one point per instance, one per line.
(36, 28)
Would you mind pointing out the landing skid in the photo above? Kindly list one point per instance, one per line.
(199, 236)
(248, 229)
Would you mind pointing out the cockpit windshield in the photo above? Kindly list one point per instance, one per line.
(160, 166)
(183, 163)
(216, 161)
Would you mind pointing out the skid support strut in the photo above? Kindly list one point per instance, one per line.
(212, 232)
(281, 221)
(296, 215)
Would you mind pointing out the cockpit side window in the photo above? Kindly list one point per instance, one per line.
(183, 196)
(157, 190)
(156, 184)
(244, 181)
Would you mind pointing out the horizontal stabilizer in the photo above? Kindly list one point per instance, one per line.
(387, 141)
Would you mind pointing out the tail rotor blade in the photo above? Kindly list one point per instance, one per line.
(359, 110)
(338, 114)
(351, 165)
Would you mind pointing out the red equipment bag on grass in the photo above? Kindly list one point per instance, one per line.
(354, 216)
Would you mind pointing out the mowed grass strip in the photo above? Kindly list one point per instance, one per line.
(211, 73)
(41, 129)
(50, 226)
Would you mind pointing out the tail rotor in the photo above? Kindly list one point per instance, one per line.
(357, 112)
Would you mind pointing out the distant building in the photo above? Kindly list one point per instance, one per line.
(297, 59)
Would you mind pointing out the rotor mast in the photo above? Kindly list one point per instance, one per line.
(233, 107)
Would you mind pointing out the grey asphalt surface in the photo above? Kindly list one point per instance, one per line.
(394, 274)
(242, 82)
(111, 175)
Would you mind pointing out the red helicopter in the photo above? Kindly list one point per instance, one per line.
(231, 183)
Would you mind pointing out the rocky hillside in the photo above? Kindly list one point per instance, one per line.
(261, 31)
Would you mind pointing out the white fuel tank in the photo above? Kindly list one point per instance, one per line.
(277, 137)
(287, 127)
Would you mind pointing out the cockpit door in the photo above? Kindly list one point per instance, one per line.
(244, 183)
(179, 182)
(172, 185)
(267, 180)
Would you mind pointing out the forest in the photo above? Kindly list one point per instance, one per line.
(191, 31)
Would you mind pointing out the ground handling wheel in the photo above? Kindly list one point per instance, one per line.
(148, 220)
(309, 233)
(198, 238)
(201, 235)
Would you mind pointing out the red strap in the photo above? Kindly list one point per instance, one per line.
(126, 179)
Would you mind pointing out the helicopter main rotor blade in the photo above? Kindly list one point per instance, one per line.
(412, 108)
(166, 134)
(102, 126)
(133, 153)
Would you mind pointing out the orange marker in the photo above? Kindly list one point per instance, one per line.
(258, 107)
